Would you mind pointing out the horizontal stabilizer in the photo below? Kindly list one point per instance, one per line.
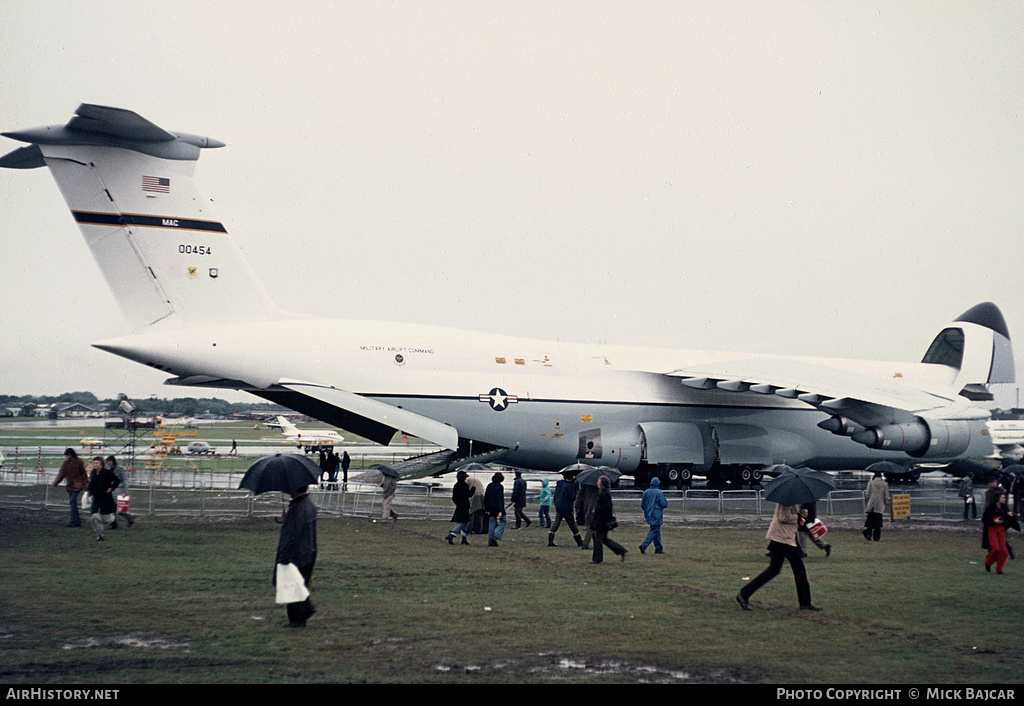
(100, 126)
(30, 157)
(116, 122)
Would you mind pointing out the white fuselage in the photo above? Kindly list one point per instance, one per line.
(532, 397)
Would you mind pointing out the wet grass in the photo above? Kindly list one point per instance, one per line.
(187, 601)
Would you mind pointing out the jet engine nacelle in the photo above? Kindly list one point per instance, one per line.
(841, 426)
(925, 438)
(619, 447)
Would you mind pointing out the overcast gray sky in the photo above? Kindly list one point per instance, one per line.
(829, 178)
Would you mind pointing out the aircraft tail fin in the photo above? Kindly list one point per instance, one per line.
(286, 426)
(977, 345)
(129, 186)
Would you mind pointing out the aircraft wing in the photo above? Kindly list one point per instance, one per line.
(363, 416)
(865, 399)
(375, 420)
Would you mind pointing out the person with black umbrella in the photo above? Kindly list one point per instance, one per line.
(788, 490)
(389, 482)
(297, 545)
(291, 474)
(782, 546)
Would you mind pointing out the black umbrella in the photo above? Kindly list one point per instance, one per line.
(474, 467)
(796, 486)
(576, 468)
(589, 476)
(386, 470)
(282, 472)
(886, 468)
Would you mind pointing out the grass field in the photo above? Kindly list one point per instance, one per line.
(187, 601)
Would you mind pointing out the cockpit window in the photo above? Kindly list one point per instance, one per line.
(947, 349)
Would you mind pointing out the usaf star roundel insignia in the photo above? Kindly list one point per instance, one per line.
(499, 399)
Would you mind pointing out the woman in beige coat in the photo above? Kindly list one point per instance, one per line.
(876, 496)
(782, 546)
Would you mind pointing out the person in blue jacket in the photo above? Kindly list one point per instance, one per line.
(544, 499)
(653, 503)
(565, 501)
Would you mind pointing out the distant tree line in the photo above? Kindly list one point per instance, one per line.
(185, 406)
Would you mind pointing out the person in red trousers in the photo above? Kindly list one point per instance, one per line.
(996, 519)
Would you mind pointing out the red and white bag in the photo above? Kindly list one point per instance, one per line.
(817, 529)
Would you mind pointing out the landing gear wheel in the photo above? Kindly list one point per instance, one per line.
(672, 476)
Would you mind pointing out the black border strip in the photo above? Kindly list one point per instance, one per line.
(134, 219)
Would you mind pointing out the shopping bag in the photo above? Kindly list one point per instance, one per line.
(123, 503)
(291, 587)
(817, 529)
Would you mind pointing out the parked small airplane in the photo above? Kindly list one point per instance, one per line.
(198, 313)
(312, 439)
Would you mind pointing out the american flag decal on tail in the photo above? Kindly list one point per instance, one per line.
(161, 185)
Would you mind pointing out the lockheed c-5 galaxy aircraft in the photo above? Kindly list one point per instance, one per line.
(198, 313)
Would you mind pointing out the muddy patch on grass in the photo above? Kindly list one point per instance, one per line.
(572, 668)
(133, 640)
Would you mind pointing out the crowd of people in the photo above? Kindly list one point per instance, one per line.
(330, 464)
(577, 504)
(104, 477)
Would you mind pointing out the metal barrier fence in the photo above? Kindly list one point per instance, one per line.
(187, 494)
(181, 470)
